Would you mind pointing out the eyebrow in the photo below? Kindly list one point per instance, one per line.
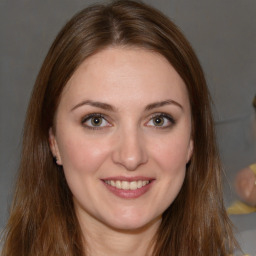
(108, 107)
(161, 104)
(96, 104)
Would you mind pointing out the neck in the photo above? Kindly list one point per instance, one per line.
(101, 240)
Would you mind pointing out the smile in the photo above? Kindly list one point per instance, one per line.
(126, 185)
(128, 188)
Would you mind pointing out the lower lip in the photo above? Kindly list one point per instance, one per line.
(129, 194)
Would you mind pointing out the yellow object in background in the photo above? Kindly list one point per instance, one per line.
(253, 168)
(240, 208)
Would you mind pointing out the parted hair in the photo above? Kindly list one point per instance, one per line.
(42, 219)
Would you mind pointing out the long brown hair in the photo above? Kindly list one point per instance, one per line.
(42, 219)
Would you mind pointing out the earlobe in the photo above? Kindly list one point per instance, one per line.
(54, 147)
(190, 150)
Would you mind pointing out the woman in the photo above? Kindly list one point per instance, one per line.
(122, 107)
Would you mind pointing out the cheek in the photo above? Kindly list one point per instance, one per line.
(82, 155)
(171, 155)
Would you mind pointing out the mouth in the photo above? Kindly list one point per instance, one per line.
(127, 185)
(128, 188)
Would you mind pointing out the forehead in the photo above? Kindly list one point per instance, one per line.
(121, 75)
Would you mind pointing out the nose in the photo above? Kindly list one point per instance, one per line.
(130, 150)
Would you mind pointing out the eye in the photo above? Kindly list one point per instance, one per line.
(161, 121)
(95, 121)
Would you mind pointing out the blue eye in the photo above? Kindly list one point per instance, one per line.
(95, 121)
(161, 121)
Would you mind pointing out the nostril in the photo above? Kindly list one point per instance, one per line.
(130, 150)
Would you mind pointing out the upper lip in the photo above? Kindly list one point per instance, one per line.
(124, 178)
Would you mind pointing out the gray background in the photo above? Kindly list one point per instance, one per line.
(223, 34)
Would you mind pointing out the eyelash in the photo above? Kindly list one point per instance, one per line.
(163, 115)
(102, 116)
(90, 116)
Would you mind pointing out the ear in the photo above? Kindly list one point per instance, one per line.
(190, 150)
(54, 147)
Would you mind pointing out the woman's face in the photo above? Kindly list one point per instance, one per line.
(123, 137)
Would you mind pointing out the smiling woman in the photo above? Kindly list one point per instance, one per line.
(134, 143)
(136, 169)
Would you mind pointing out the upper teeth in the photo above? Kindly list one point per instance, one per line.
(126, 184)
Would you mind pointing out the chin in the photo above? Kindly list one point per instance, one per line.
(133, 224)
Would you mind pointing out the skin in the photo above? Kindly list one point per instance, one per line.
(245, 184)
(127, 143)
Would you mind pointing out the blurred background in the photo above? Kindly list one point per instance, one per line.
(223, 34)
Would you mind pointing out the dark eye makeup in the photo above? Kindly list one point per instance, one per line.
(161, 120)
(97, 121)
